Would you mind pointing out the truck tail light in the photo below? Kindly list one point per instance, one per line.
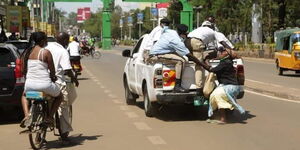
(18, 73)
(240, 74)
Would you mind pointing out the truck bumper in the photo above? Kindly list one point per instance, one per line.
(176, 98)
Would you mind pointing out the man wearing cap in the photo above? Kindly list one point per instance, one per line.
(198, 39)
(171, 49)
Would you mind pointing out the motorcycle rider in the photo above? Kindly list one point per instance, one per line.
(73, 50)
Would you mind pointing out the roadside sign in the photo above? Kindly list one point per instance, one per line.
(2, 11)
(162, 12)
(14, 18)
(154, 11)
(140, 17)
(121, 23)
(129, 20)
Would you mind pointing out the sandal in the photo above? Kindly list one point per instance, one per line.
(24, 122)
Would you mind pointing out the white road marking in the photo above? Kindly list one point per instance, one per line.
(106, 91)
(124, 108)
(98, 83)
(263, 83)
(156, 140)
(261, 62)
(141, 126)
(112, 96)
(103, 87)
(131, 115)
(273, 97)
(117, 101)
(96, 80)
(260, 82)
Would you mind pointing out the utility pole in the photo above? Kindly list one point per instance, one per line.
(198, 14)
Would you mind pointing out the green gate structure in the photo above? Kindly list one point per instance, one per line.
(186, 16)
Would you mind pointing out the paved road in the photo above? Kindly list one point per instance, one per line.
(266, 72)
(103, 121)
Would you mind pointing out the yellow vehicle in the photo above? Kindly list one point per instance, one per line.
(287, 50)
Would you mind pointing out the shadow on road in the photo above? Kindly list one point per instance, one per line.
(81, 79)
(178, 112)
(192, 113)
(236, 117)
(75, 140)
(291, 75)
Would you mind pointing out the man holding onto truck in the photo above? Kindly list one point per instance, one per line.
(198, 39)
(171, 49)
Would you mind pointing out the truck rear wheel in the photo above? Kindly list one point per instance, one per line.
(149, 107)
(129, 96)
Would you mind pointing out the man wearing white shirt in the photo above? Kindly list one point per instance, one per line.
(73, 50)
(63, 67)
(198, 39)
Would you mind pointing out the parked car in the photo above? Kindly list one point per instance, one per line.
(155, 81)
(11, 78)
(20, 44)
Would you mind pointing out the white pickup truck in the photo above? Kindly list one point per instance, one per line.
(155, 81)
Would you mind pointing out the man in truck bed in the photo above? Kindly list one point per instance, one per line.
(171, 49)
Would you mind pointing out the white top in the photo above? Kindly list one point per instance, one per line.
(206, 34)
(223, 38)
(154, 36)
(61, 60)
(37, 70)
(74, 48)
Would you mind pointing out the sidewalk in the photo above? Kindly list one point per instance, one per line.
(273, 90)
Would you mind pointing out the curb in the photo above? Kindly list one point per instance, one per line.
(275, 94)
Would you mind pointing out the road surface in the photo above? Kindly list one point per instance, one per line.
(102, 120)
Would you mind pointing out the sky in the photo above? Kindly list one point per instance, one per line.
(73, 6)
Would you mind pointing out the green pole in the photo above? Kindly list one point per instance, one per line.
(186, 15)
(106, 25)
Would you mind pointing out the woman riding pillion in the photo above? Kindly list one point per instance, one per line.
(40, 73)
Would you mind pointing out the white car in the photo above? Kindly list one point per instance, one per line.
(155, 81)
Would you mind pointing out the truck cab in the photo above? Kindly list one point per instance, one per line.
(287, 50)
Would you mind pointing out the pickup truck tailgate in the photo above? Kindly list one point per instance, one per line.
(188, 77)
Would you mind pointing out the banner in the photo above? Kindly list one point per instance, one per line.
(14, 18)
(25, 17)
(83, 14)
(2, 11)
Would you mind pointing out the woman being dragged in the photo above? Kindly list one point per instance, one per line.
(40, 72)
(224, 96)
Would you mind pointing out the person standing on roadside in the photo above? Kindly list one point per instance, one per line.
(63, 67)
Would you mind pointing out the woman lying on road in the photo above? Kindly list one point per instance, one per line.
(37, 61)
(224, 96)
